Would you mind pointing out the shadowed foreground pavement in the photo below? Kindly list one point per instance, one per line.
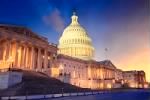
(124, 95)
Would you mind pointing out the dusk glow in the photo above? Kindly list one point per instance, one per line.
(122, 26)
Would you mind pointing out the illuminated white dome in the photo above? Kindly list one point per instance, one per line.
(75, 41)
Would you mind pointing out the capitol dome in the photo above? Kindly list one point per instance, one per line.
(75, 41)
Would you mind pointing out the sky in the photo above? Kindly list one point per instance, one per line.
(121, 26)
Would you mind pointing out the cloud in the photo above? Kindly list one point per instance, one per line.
(55, 20)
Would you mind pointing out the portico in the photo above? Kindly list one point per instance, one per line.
(25, 51)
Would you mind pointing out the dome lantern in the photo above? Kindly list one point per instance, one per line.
(74, 19)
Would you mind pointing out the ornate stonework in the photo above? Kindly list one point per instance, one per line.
(21, 48)
(75, 41)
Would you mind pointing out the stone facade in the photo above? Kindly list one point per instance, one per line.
(22, 48)
(9, 78)
(87, 74)
(135, 79)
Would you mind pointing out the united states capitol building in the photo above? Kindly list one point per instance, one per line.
(71, 61)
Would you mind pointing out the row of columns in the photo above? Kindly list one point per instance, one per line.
(25, 56)
(4, 51)
(100, 73)
(76, 51)
(76, 41)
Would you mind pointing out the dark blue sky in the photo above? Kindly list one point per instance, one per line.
(94, 14)
(119, 25)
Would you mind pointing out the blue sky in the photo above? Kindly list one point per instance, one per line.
(119, 25)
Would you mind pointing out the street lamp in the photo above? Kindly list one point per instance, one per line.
(11, 61)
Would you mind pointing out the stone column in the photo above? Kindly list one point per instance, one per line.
(88, 72)
(111, 74)
(29, 57)
(21, 61)
(32, 58)
(7, 50)
(39, 59)
(45, 59)
(94, 71)
(1, 52)
(94, 74)
(107, 73)
(100, 73)
(21, 57)
(4, 51)
(102, 76)
(16, 55)
(24, 57)
(97, 73)
(104, 72)
(10, 49)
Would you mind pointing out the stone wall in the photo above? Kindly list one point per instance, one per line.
(9, 78)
